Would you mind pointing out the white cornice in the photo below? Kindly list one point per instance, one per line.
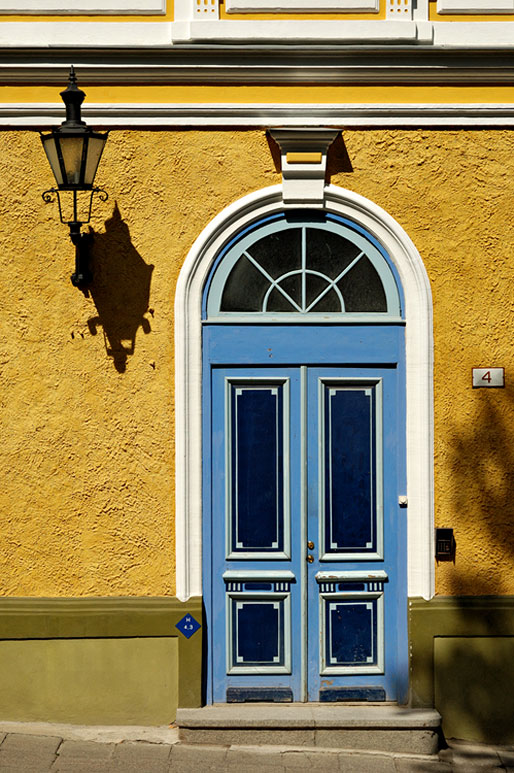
(247, 65)
(37, 115)
(255, 35)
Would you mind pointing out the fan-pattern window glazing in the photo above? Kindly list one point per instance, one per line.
(317, 266)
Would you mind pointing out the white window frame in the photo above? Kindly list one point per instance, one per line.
(475, 6)
(301, 6)
(84, 7)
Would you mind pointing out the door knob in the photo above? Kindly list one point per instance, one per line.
(310, 558)
(310, 545)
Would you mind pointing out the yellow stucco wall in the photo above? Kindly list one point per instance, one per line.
(86, 502)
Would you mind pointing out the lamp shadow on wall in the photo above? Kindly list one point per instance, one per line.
(474, 657)
(120, 290)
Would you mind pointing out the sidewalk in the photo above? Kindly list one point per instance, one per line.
(40, 748)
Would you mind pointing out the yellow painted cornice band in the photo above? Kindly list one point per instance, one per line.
(267, 94)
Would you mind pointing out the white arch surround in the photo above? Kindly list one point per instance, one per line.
(188, 379)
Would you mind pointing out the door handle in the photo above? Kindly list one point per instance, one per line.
(310, 558)
(310, 545)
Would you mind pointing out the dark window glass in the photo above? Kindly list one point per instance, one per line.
(329, 253)
(279, 253)
(362, 288)
(245, 288)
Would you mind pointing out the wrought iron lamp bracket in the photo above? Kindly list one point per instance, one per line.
(53, 194)
(82, 275)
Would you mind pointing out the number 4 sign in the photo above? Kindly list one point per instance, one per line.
(488, 377)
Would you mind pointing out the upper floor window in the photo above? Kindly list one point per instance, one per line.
(297, 267)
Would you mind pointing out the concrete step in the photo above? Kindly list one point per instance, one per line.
(307, 759)
(378, 727)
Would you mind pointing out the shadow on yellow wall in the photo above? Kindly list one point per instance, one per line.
(120, 290)
(481, 460)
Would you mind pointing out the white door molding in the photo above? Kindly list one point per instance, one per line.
(188, 379)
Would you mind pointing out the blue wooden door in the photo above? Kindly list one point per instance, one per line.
(304, 539)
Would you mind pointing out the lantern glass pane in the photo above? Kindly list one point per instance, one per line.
(51, 154)
(94, 152)
(71, 149)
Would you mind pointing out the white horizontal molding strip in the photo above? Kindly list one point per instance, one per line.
(297, 31)
(305, 6)
(354, 576)
(263, 115)
(258, 574)
(475, 6)
(85, 34)
(70, 7)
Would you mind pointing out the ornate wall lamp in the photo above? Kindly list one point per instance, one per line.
(74, 150)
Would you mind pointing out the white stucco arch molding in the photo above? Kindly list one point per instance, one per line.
(188, 383)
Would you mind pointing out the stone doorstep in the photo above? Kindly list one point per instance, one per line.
(308, 716)
(386, 728)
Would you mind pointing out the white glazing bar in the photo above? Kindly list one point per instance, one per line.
(270, 279)
(336, 280)
(304, 267)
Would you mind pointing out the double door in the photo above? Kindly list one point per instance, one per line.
(304, 538)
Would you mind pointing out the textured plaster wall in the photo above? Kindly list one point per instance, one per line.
(86, 499)
(452, 191)
(86, 384)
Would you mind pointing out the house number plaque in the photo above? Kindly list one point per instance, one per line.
(488, 377)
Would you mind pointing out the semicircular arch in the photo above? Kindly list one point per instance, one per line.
(188, 375)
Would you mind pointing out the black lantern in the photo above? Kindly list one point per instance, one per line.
(74, 151)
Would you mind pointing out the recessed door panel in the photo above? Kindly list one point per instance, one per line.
(257, 468)
(350, 468)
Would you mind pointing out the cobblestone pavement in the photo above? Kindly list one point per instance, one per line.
(40, 753)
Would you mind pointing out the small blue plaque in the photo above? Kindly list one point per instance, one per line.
(188, 626)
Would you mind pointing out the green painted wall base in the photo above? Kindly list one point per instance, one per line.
(98, 661)
(462, 662)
